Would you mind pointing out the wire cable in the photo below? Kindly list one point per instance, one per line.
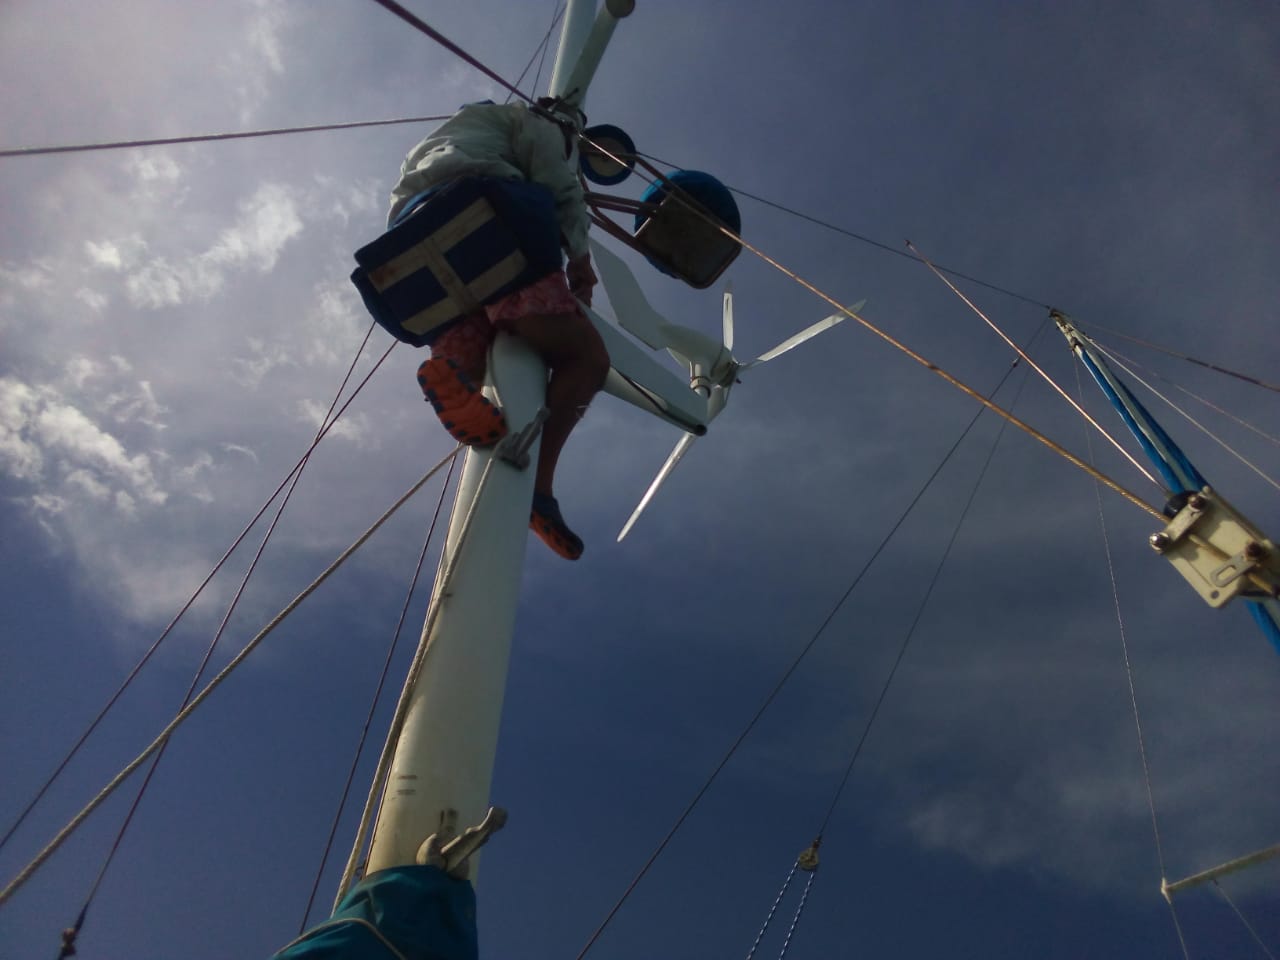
(1247, 925)
(539, 54)
(195, 595)
(911, 630)
(1274, 388)
(26, 873)
(1192, 420)
(209, 137)
(1133, 692)
(862, 238)
(1194, 396)
(70, 934)
(1034, 366)
(373, 703)
(786, 676)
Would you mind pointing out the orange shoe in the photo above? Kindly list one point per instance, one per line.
(465, 412)
(546, 522)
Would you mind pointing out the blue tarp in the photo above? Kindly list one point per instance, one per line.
(420, 913)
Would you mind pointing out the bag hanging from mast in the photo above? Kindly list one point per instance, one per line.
(455, 249)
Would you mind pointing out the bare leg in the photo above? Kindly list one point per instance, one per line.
(570, 345)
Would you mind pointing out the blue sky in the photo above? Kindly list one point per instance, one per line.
(175, 320)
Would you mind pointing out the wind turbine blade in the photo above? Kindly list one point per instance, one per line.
(635, 315)
(681, 449)
(806, 334)
(728, 317)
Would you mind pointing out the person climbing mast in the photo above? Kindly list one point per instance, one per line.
(502, 146)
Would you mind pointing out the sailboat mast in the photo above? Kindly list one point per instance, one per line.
(443, 763)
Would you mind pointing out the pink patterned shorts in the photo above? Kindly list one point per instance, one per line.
(467, 342)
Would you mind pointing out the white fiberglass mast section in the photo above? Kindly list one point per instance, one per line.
(443, 763)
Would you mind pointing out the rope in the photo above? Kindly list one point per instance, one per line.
(1133, 693)
(541, 49)
(402, 705)
(1112, 352)
(377, 696)
(1274, 388)
(843, 231)
(1192, 420)
(146, 657)
(795, 865)
(182, 715)
(209, 137)
(1034, 366)
(70, 935)
(1247, 925)
(449, 45)
(911, 630)
(804, 898)
(791, 669)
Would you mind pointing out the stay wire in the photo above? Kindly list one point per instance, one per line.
(377, 697)
(1035, 366)
(448, 565)
(1190, 419)
(1274, 388)
(539, 54)
(1247, 925)
(69, 935)
(862, 238)
(190, 601)
(211, 137)
(26, 873)
(786, 676)
(1112, 352)
(911, 630)
(424, 27)
(777, 902)
(1133, 692)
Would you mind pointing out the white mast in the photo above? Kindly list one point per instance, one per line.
(443, 764)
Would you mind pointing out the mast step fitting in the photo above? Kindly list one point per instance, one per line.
(1218, 551)
(452, 856)
(514, 448)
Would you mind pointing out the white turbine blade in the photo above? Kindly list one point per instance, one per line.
(681, 449)
(634, 313)
(806, 334)
(728, 317)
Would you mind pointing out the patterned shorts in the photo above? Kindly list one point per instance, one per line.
(467, 342)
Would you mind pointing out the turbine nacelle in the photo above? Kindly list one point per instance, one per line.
(713, 369)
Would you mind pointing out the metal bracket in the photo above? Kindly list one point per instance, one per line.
(457, 850)
(514, 448)
(808, 859)
(1218, 551)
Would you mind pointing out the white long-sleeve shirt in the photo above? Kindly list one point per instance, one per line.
(507, 141)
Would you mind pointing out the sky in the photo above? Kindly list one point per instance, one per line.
(176, 320)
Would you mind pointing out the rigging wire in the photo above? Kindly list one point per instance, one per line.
(1034, 366)
(448, 564)
(539, 54)
(1247, 925)
(1192, 420)
(795, 920)
(377, 697)
(911, 630)
(70, 934)
(1194, 396)
(25, 874)
(795, 865)
(199, 590)
(1274, 388)
(787, 674)
(210, 137)
(1133, 693)
(862, 238)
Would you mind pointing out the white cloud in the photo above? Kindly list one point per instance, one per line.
(353, 427)
(267, 221)
(62, 427)
(20, 456)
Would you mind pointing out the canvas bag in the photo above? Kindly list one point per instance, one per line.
(466, 244)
